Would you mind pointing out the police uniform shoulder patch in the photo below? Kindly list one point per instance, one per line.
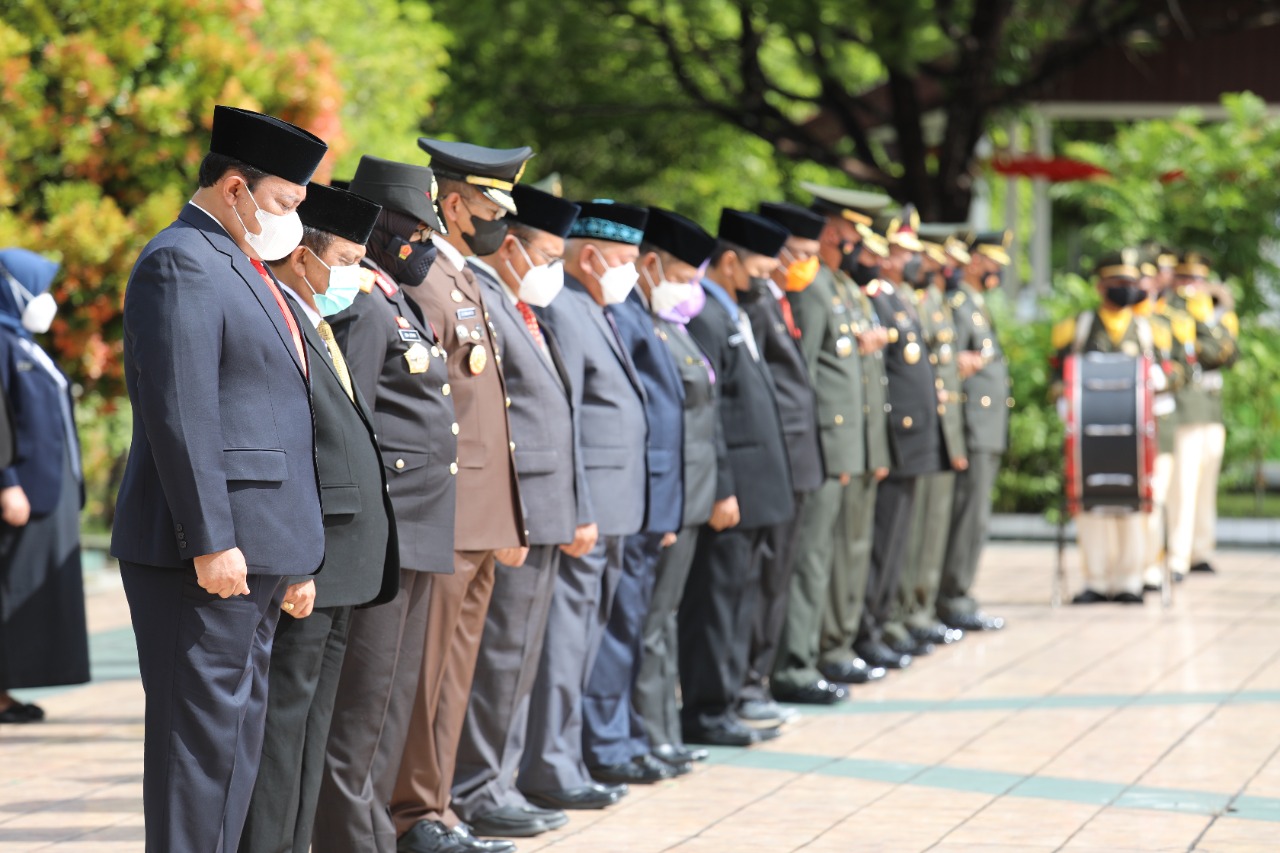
(385, 284)
(1064, 332)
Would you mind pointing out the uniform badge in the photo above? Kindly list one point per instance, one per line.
(456, 295)
(418, 358)
(944, 354)
(476, 334)
(410, 335)
(478, 359)
(402, 322)
(844, 346)
(406, 250)
(367, 278)
(465, 313)
(461, 331)
(911, 353)
(893, 334)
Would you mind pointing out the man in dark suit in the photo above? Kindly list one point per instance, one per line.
(673, 252)
(778, 338)
(217, 501)
(395, 360)
(526, 272)
(475, 187)
(608, 407)
(611, 751)
(753, 490)
(362, 561)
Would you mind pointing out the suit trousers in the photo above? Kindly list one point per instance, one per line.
(1193, 500)
(204, 663)
(970, 518)
(895, 499)
(1112, 549)
(777, 564)
(927, 552)
(456, 610)
(580, 607)
(716, 615)
(606, 701)
(846, 594)
(1158, 520)
(493, 733)
(376, 692)
(306, 661)
(655, 714)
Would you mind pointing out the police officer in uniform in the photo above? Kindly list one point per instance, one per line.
(218, 505)
(1201, 436)
(362, 557)
(1113, 545)
(608, 403)
(396, 361)
(916, 446)
(913, 628)
(778, 339)
(526, 272)
(987, 402)
(672, 256)
(753, 490)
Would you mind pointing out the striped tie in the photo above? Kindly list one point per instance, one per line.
(339, 363)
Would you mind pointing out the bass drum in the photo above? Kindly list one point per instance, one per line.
(1111, 432)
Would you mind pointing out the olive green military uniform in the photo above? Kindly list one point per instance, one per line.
(931, 522)
(986, 402)
(846, 595)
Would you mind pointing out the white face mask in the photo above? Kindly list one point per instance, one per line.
(666, 295)
(541, 283)
(38, 315)
(616, 282)
(279, 234)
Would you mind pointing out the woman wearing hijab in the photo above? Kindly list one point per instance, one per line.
(43, 639)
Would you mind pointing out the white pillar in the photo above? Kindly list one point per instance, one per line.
(1012, 220)
(1041, 211)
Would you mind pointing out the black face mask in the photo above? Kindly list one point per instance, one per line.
(913, 272)
(954, 278)
(1125, 295)
(849, 257)
(864, 274)
(756, 287)
(487, 237)
(411, 269)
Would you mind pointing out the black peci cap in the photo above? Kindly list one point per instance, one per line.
(602, 219)
(800, 221)
(339, 212)
(402, 187)
(679, 236)
(543, 211)
(267, 143)
(754, 233)
(495, 171)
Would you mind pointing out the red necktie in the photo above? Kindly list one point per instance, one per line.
(284, 309)
(787, 316)
(531, 321)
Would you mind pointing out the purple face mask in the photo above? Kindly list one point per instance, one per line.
(691, 307)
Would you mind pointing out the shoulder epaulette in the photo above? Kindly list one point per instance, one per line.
(1183, 327)
(1064, 332)
(1161, 334)
(385, 284)
(1232, 323)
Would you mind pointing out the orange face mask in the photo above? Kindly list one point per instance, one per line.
(801, 274)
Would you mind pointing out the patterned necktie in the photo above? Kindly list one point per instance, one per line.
(339, 363)
(748, 336)
(788, 317)
(289, 319)
(531, 322)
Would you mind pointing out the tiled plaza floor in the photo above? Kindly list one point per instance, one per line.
(1105, 728)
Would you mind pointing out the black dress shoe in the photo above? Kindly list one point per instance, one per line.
(1127, 598)
(430, 836)
(820, 692)
(618, 789)
(1089, 596)
(518, 821)
(856, 671)
(673, 754)
(729, 733)
(764, 713)
(639, 771)
(769, 734)
(977, 621)
(586, 797)
(20, 713)
(1204, 567)
(938, 634)
(912, 647)
(878, 654)
(463, 835)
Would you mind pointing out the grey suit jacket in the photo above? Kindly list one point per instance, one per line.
(608, 407)
(701, 421)
(548, 462)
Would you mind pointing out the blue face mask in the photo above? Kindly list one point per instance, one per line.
(344, 286)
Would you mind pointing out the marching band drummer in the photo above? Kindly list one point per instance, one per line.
(1112, 546)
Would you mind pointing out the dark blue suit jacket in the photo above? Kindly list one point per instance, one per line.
(663, 409)
(223, 450)
(39, 436)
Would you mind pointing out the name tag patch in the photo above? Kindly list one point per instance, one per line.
(466, 313)
(410, 335)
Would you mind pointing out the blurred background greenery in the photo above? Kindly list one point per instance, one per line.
(689, 104)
